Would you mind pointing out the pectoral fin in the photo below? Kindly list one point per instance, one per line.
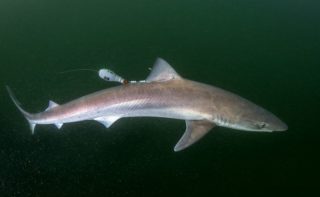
(195, 130)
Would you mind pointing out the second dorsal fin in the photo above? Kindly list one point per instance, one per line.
(162, 71)
(51, 105)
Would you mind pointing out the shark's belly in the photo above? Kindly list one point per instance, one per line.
(144, 100)
(174, 113)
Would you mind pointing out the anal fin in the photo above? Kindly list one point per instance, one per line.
(195, 130)
(107, 121)
(32, 126)
(58, 125)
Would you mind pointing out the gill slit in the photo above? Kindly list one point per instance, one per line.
(222, 121)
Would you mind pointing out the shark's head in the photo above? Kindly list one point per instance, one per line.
(256, 118)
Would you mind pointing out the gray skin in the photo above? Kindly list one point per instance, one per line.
(167, 95)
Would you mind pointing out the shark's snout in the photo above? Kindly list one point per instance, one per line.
(260, 120)
(273, 123)
(280, 126)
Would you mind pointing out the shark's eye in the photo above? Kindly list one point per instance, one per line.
(261, 125)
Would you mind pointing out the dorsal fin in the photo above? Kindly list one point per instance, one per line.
(162, 71)
(51, 105)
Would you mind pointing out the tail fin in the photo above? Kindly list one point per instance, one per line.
(27, 115)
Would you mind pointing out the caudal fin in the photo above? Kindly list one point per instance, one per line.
(26, 114)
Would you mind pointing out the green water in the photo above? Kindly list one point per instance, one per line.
(266, 51)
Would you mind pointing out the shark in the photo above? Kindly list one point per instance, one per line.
(164, 94)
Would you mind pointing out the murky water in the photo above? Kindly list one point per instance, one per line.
(265, 51)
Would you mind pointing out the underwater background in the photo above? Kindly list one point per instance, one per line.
(265, 51)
